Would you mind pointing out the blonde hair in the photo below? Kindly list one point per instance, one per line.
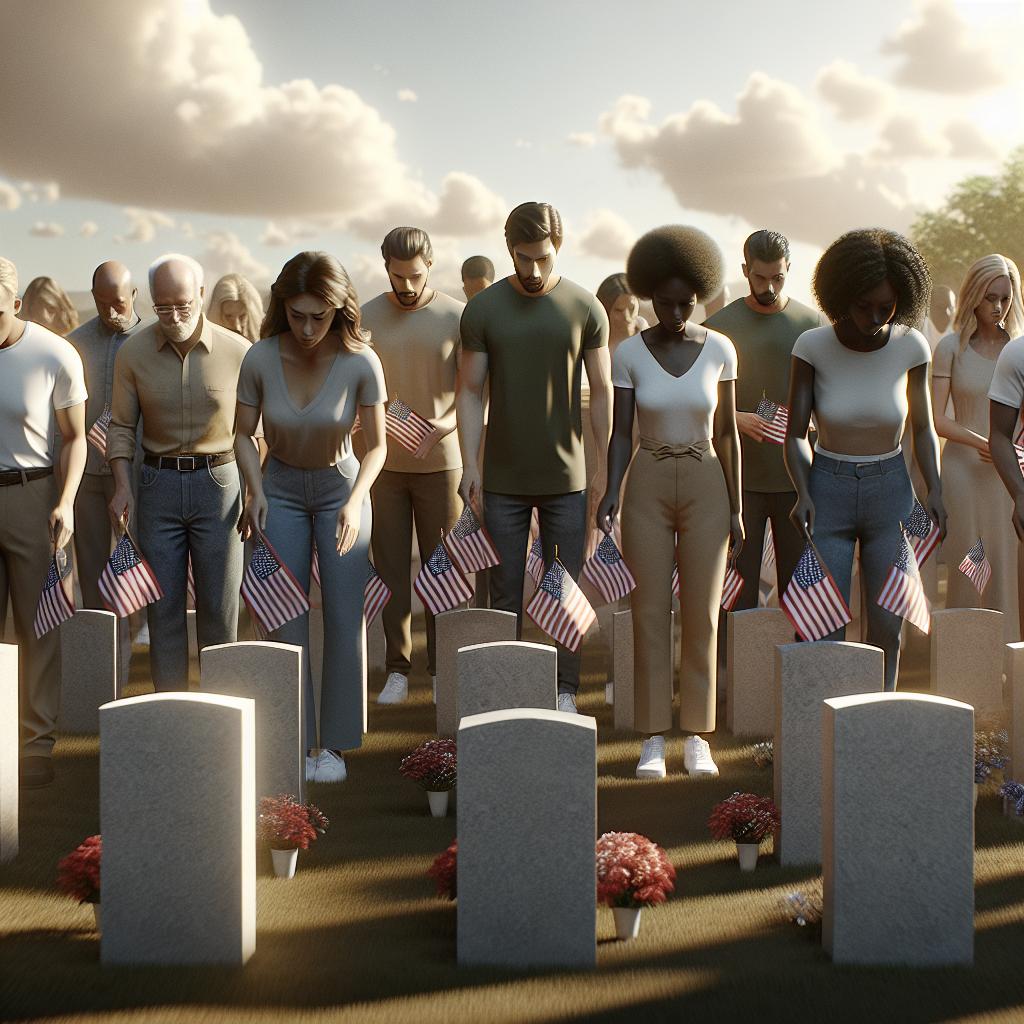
(45, 289)
(977, 281)
(235, 288)
(8, 276)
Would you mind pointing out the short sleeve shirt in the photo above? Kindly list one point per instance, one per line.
(1008, 380)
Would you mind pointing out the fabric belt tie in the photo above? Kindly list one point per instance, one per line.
(697, 450)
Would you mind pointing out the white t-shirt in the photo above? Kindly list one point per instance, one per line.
(674, 410)
(1007, 385)
(39, 373)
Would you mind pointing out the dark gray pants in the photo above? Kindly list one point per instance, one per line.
(760, 507)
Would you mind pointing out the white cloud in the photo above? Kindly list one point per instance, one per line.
(937, 51)
(585, 140)
(968, 142)
(523, 144)
(407, 96)
(10, 197)
(47, 191)
(854, 95)
(903, 137)
(607, 236)
(187, 230)
(225, 253)
(143, 224)
(88, 228)
(46, 229)
(274, 235)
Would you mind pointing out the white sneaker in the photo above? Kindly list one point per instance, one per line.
(567, 703)
(330, 767)
(311, 766)
(697, 756)
(652, 759)
(433, 688)
(396, 689)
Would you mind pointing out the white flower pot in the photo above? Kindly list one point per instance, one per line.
(747, 853)
(97, 912)
(438, 803)
(627, 922)
(284, 862)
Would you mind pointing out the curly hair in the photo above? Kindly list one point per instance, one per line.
(861, 260)
(675, 250)
(319, 274)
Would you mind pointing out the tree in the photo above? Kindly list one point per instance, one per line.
(983, 214)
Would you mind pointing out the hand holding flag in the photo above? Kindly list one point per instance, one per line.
(468, 544)
(127, 583)
(812, 601)
(776, 418)
(270, 591)
(56, 602)
(408, 428)
(607, 572)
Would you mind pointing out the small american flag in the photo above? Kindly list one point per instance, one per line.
(535, 561)
(408, 428)
(776, 418)
(922, 533)
(469, 546)
(732, 588)
(675, 581)
(976, 567)
(560, 608)
(314, 567)
(270, 591)
(606, 571)
(376, 594)
(902, 593)
(97, 435)
(127, 583)
(812, 600)
(768, 550)
(56, 602)
(439, 584)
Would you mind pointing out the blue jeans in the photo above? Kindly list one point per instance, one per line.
(562, 525)
(182, 513)
(866, 502)
(303, 506)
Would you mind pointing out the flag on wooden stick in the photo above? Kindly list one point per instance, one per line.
(560, 608)
(56, 602)
(776, 418)
(607, 572)
(976, 566)
(97, 435)
(812, 601)
(469, 546)
(127, 583)
(535, 561)
(922, 533)
(408, 428)
(376, 594)
(269, 589)
(439, 584)
(903, 593)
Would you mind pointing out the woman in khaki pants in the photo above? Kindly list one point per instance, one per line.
(683, 500)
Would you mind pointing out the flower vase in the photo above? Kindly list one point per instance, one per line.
(284, 862)
(438, 803)
(627, 922)
(747, 853)
(97, 913)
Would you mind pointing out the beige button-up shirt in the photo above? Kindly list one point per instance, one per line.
(186, 402)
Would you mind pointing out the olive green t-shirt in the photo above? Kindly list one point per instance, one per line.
(534, 348)
(764, 347)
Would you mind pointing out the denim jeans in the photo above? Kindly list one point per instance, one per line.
(303, 505)
(866, 502)
(562, 525)
(182, 513)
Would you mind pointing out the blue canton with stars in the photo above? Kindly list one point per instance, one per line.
(125, 556)
(552, 582)
(808, 570)
(608, 552)
(263, 562)
(438, 562)
(920, 523)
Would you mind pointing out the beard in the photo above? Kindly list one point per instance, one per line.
(182, 330)
(768, 298)
(118, 324)
(530, 284)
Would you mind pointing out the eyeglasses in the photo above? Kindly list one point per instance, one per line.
(182, 309)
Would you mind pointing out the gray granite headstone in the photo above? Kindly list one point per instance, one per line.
(178, 818)
(507, 674)
(1015, 700)
(624, 694)
(463, 627)
(527, 828)
(88, 669)
(270, 674)
(805, 675)
(898, 830)
(967, 653)
(10, 747)
(751, 638)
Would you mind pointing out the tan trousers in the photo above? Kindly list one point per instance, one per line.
(432, 501)
(25, 554)
(676, 509)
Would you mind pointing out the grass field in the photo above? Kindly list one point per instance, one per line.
(359, 935)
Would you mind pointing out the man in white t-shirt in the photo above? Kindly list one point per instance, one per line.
(42, 391)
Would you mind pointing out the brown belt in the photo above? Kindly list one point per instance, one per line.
(188, 463)
(22, 476)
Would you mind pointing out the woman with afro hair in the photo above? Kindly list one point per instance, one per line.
(682, 500)
(857, 377)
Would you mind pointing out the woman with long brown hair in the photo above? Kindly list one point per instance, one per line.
(308, 378)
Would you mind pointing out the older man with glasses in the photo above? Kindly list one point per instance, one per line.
(179, 375)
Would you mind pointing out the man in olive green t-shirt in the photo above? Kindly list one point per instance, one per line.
(528, 338)
(763, 325)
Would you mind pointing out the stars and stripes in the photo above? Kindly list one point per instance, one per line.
(812, 601)
(922, 533)
(675, 581)
(607, 572)
(469, 546)
(376, 594)
(560, 608)
(776, 418)
(768, 549)
(127, 583)
(270, 591)
(976, 566)
(56, 602)
(97, 435)
(439, 584)
(535, 561)
(314, 566)
(408, 428)
(731, 588)
(903, 593)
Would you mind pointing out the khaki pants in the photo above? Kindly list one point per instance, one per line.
(432, 501)
(25, 553)
(675, 509)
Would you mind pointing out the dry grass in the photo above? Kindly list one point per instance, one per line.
(358, 934)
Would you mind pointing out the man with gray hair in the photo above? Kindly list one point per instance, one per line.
(179, 375)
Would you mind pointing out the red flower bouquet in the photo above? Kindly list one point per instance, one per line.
(433, 765)
(744, 818)
(444, 871)
(632, 871)
(78, 874)
(285, 824)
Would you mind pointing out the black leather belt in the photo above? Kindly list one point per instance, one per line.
(188, 463)
(22, 476)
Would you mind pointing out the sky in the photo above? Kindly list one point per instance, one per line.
(242, 132)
